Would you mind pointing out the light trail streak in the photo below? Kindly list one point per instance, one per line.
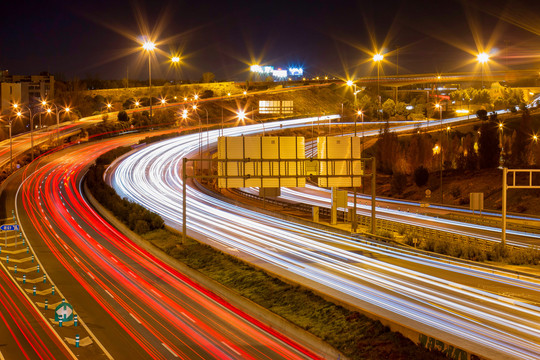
(159, 308)
(423, 292)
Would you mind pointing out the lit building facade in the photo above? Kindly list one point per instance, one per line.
(24, 89)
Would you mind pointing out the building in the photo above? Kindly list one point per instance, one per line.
(24, 89)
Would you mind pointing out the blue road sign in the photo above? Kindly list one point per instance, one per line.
(9, 227)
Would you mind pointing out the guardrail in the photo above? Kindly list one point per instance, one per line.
(420, 233)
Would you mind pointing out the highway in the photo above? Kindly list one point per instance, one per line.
(136, 305)
(492, 315)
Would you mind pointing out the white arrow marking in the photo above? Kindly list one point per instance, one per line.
(64, 312)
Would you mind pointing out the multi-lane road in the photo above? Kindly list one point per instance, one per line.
(493, 315)
(110, 279)
(136, 305)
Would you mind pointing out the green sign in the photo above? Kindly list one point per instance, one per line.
(63, 312)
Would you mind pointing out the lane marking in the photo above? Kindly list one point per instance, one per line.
(109, 293)
(170, 350)
(133, 316)
(191, 319)
(90, 274)
(230, 347)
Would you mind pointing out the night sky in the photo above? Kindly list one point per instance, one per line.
(335, 38)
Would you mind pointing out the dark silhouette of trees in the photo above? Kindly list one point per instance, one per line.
(421, 176)
(387, 149)
(488, 145)
(518, 156)
(398, 182)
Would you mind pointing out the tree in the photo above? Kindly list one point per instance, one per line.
(398, 182)
(387, 149)
(208, 77)
(123, 116)
(488, 146)
(482, 114)
(389, 108)
(421, 176)
(520, 140)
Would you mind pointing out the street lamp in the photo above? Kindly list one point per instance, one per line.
(482, 58)
(438, 106)
(10, 121)
(200, 129)
(378, 58)
(149, 46)
(351, 83)
(175, 61)
(66, 110)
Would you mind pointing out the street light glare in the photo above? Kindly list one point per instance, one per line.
(378, 57)
(241, 115)
(483, 58)
(149, 46)
(349, 82)
(175, 59)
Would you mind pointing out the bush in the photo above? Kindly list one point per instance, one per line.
(421, 176)
(136, 217)
(455, 191)
(123, 116)
(398, 183)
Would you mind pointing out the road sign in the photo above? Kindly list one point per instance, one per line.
(63, 312)
(9, 227)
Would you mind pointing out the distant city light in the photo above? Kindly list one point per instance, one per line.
(462, 111)
(279, 73)
(409, 107)
(296, 71)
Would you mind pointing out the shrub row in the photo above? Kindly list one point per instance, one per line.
(473, 251)
(137, 218)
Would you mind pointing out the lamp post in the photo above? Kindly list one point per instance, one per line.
(351, 83)
(501, 145)
(10, 121)
(482, 58)
(175, 61)
(58, 122)
(200, 132)
(438, 106)
(361, 114)
(32, 134)
(31, 117)
(66, 109)
(378, 58)
(149, 46)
